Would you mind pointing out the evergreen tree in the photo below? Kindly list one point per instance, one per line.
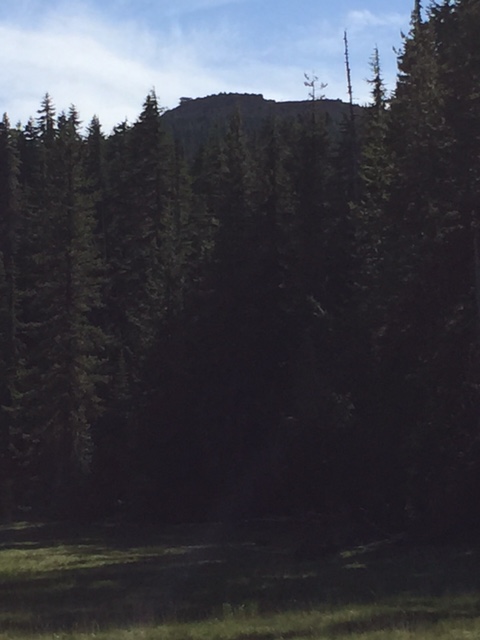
(380, 439)
(427, 273)
(61, 400)
(229, 358)
(139, 228)
(95, 170)
(10, 358)
(324, 372)
(148, 250)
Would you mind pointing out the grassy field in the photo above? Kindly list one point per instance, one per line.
(210, 582)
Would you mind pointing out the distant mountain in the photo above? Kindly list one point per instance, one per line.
(193, 120)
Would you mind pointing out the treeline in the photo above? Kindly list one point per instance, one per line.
(289, 323)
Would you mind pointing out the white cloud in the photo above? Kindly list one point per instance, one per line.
(188, 6)
(359, 20)
(71, 67)
(107, 69)
(102, 70)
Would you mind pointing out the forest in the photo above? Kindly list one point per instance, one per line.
(287, 323)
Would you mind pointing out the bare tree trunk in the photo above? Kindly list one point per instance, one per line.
(353, 127)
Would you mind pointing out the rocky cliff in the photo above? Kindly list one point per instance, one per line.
(193, 121)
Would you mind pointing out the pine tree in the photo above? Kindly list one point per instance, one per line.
(139, 228)
(10, 220)
(324, 373)
(376, 174)
(61, 400)
(10, 358)
(95, 170)
(427, 273)
(148, 251)
(232, 281)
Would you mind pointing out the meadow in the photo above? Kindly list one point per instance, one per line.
(251, 581)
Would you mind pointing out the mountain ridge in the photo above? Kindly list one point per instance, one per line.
(194, 119)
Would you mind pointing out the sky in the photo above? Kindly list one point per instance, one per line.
(105, 56)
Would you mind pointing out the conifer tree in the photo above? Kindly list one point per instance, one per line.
(376, 173)
(10, 356)
(147, 215)
(95, 170)
(62, 292)
(427, 272)
(327, 343)
(139, 228)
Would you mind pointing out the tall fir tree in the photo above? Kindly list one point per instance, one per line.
(427, 275)
(10, 348)
(62, 292)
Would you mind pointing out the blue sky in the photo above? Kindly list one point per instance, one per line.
(104, 56)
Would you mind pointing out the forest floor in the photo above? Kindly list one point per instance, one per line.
(256, 581)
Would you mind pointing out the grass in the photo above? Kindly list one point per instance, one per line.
(211, 582)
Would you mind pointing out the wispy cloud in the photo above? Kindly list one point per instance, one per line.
(366, 31)
(73, 67)
(107, 67)
(363, 20)
(360, 20)
(188, 6)
(101, 69)
(320, 45)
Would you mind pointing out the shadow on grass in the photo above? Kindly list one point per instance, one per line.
(57, 578)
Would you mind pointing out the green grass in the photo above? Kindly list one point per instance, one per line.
(209, 582)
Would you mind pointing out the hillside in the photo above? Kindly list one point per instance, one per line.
(194, 119)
